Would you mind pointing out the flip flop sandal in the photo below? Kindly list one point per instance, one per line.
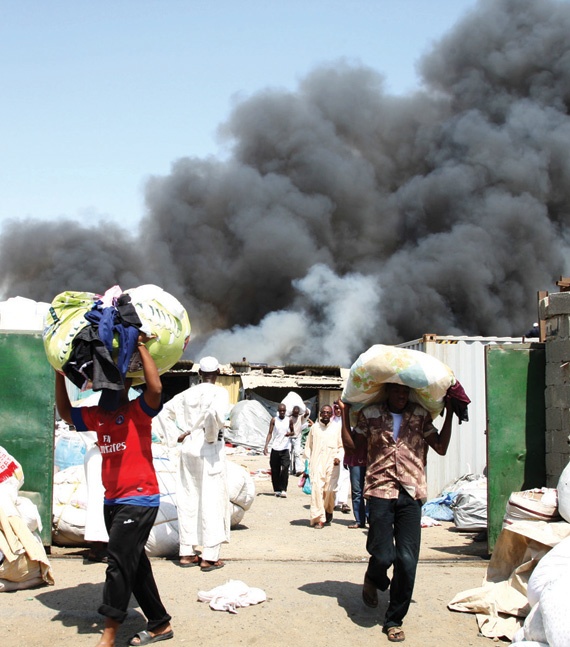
(395, 634)
(146, 638)
(211, 566)
(194, 561)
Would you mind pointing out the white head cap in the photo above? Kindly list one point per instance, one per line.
(209, 365)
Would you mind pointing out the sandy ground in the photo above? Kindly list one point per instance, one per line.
(312, 579)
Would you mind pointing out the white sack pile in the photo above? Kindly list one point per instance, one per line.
(470, 504)
(538, 504)
(70, 503)
(526, 593)
(23, 560)
(249, 422)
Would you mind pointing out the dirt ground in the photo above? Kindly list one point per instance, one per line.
(312, 579)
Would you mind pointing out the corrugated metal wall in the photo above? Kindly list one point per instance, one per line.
(467, 451)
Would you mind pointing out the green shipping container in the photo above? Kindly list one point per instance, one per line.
(516, 424)
(27, 408)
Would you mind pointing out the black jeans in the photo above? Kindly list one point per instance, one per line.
(129, 570)
(279, 461)
(394, 539)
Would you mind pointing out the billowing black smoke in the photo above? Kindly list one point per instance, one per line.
(346, 216)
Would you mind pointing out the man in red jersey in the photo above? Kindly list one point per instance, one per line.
(131, 500)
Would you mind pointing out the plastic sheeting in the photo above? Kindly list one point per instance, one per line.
(249, 424)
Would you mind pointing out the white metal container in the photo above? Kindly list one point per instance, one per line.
(467, 453)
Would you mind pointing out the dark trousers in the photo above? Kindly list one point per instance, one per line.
(394, 539)
(359, 503)
(279, 461)
(129, 570)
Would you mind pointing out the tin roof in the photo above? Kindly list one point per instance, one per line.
(256, 379)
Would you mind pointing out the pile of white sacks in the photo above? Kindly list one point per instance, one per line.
(70, 502)
(548, 590)
(23, 560)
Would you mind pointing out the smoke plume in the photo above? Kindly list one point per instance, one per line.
(346, 216)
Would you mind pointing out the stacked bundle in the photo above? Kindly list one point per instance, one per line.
(93, 338)
(428, 378)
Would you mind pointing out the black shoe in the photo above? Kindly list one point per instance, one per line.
(328, 518)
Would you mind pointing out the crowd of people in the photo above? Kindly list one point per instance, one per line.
(377, 453)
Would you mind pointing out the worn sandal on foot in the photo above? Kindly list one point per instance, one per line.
(206, 566)
(369, 593)
(395, 634)
(146, 638)
(189, 560)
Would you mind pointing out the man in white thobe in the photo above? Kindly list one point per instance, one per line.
(324, 450)
(202, 500)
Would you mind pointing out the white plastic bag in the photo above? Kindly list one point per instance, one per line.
(563, 489)
(555, 563)
(555, 607)
(534, 625)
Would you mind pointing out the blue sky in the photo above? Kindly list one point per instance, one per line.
(97, 96)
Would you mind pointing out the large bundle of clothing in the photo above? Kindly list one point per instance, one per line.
(93, 338)
(430, 380)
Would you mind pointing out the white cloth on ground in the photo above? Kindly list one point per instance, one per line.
(231, 596)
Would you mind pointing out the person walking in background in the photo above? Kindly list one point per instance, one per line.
(342, 493)
(299, 421)
(324, 451)
(281, 431)
(131, 499)
(202, 499)
(356, 463)
(397, 432)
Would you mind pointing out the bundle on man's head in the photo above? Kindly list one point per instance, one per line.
(93, 338)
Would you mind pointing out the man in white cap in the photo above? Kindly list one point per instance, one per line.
(202, 499)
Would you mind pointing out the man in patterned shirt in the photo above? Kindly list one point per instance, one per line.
(398, 433)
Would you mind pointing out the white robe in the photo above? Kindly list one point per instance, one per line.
(202, 500)
(95, 529)
(324, 444)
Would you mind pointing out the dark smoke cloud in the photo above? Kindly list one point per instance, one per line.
(346, 216)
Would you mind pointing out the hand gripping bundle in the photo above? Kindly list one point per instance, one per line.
(80, 327)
